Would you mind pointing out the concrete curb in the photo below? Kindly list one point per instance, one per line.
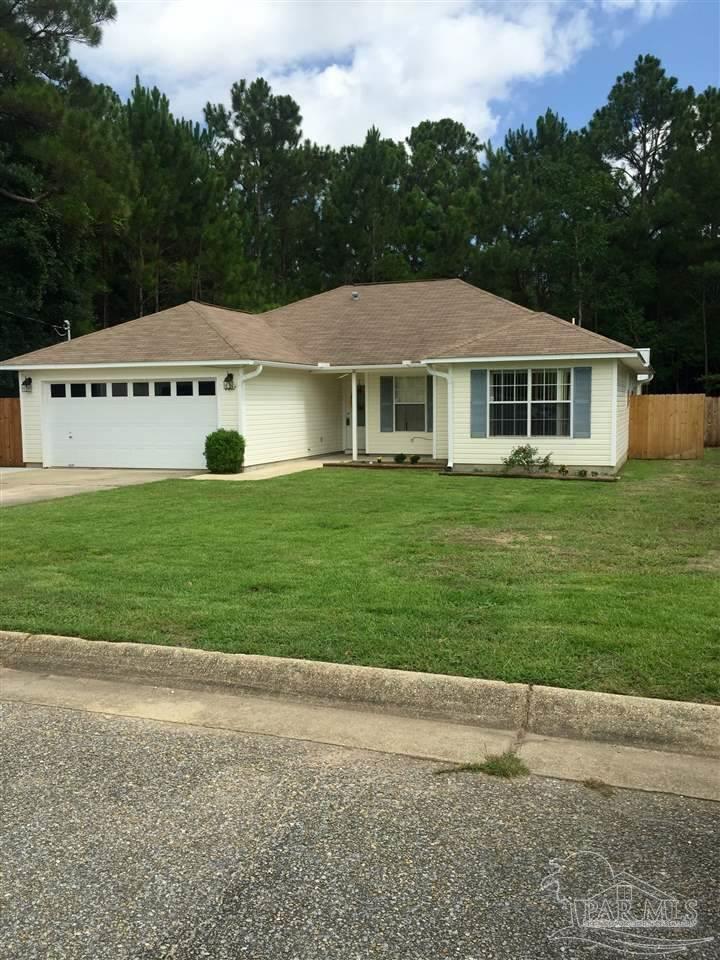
(544, 711)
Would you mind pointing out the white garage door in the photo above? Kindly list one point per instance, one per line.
(146, 423)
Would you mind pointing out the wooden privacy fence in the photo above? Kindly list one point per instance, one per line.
(667, 426)
(712, 421)
(10, 434)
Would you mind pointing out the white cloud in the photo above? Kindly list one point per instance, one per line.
(642, 10)
(349, 64)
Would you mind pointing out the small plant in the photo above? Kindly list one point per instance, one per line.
(582, 473)
(525, 457)
(415, 458)
(507, 765)
(224, 451)
(563, 470)
(379, 460)
(399, 458)
(599, 786)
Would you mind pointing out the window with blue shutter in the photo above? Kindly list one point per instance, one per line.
(582, 400)
(478, 403)
(387, 404)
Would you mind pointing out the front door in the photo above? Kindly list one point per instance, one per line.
(360, 417)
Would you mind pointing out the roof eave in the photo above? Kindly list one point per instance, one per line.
(511, 358)
(130, 364)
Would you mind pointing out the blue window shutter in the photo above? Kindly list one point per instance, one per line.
(429, 405)
(478, 403)
(387, 405)
(582, 399)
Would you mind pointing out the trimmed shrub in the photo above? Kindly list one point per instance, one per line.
(415, 458)
(399, 458)
(224, 451)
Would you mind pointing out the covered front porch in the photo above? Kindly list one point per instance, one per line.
(394, 410)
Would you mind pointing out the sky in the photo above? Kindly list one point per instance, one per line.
(351, 64)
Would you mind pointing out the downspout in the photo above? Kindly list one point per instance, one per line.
(450, 413)
(242, 380)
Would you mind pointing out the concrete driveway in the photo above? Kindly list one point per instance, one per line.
(129, 839)
(30, 484)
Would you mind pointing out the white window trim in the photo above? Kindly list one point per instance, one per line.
(529, 402)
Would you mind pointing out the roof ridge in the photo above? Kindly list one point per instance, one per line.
(495, 296)
(254, 316)
(593, 333)
(208, 322)
(219, 306)
(313, 296)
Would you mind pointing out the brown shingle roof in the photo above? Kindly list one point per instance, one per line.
(190, 331)
(392, 322)
(382, 323)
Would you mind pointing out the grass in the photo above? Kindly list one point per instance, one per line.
(506, 765)
(610, 587)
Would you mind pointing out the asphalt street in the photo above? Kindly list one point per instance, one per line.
(127, 838)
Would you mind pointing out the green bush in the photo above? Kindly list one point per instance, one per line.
(399, 458)
(525, 457)
(415, 458)
(224, 451)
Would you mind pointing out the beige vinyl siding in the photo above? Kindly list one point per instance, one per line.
(441, 417)
(597, 450)
(30, 414)
(626, 385)
(291, 414)
(31, 404)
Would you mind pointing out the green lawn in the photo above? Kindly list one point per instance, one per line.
(605, 586)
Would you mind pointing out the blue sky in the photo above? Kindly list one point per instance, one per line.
(350, 64)
(686, 40)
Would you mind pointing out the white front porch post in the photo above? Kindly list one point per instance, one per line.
(353, 415)
(451, 417)
(434, 418)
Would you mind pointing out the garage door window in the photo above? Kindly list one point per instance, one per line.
(162, 388)
(119, 389)
(78, 390)
(184, 388)
(206, 388)
(141, 389)
(57, 390)
(98, 389)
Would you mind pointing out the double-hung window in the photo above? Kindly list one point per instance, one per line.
(530, 403)
(508, 403)
(550, 403)
(410, 397)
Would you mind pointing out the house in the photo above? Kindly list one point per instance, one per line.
(439, 368)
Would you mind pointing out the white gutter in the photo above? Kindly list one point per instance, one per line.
(242, 380)
(533, 356)
(343, 368)
(141, 364)
(137, 363)
(448, 377)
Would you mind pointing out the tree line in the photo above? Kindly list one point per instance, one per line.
(110, 210)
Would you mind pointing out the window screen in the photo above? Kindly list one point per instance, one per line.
(410, 395)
